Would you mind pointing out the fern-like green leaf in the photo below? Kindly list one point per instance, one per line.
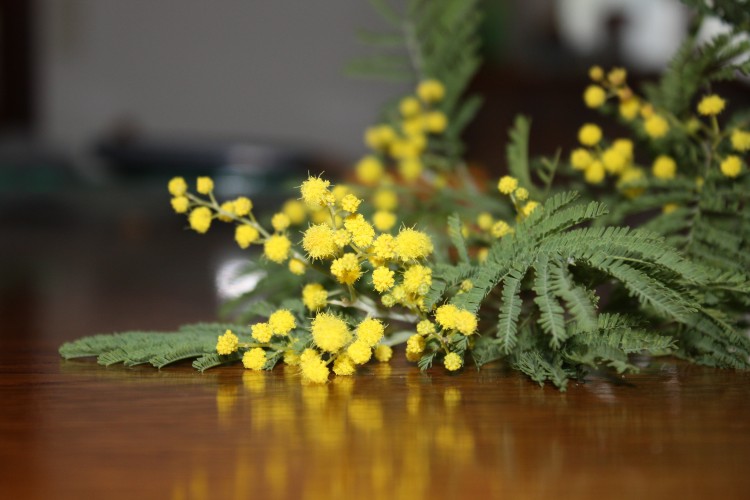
(551, 319)
(507, 325)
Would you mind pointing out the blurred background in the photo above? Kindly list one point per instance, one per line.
(102, 101)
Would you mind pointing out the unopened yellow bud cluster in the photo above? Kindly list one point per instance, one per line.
(202, 211)
(519, 196)
(405, 140)
(449, 322)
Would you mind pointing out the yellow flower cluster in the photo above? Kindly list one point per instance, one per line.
(335, 344)
(631, 107)
(227, 343)
(452, 321)
(611, 85)
(519, 196)
(597, 160)
(277, 247)
(406, 140)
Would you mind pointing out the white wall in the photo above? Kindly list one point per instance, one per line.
(206, 69)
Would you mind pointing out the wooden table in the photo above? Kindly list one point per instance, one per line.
(73, 429)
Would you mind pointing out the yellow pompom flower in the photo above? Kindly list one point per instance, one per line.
(385, 199)
(485, 221)
(227, 343)
(291, 358)
(361, 230)
(382, 279)
(318, 241)
(507, 184)
(589, 134)
(384, 221)
(359, 351)
(276, 248)
(297, 267)
(180, 204)
(411, 244)
(262, 332)
(617, 76)
(379, 137)
(226, 211)
(350, 203)
(383, 353)
(501, 228)
(731, 166)
(529, 208)
(521, 194)
(313, 368)
(242, 206)
(711, 105)
(254, 359)
(410, 169)
(580, 158)
(452, 361)
(342, 237)
(446, 316)
(482, 254)
(200, 219)
(625, 148)
(465, 322)
(415, 347)
(435, 122)
(417, 280)
(629, 176)
(245, 235)
(430, 90)
(280, 222)
(314, 296)
(596, 73)
(629, 108)
(425, 327)
(384, 247)
(295, 210)
(594, 173)
(594, 96)
(370, 331)
(330, 332)
(414, 126)
(177, 186)
(344, 366)
(740, 140)
(346, 269)
(204, 185)
(282, 322)
(664, 167)
(315, 192)
(669, 208)
(409, 106)
(656, 126)
(614, 162)
(369, 170)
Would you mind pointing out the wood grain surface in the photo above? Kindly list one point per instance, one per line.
(75, 430)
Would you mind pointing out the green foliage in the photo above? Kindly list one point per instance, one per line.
(568, 264)
(157, 348)
(733, 12)
(695, 66)
(429, 39)
(572, 287)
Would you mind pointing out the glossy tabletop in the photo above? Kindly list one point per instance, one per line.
(74, 429)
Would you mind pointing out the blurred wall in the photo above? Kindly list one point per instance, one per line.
(271, 70)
